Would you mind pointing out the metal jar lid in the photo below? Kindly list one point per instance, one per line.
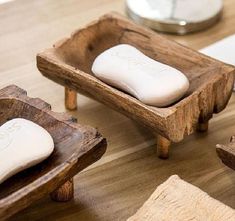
(175, 16)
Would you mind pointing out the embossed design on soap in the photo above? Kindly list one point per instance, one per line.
(132, 62)
(7, 134)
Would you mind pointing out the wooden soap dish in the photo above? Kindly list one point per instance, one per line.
(76, 147)
(227, 153)
(69, 64)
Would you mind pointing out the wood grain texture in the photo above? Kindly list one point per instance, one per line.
(120, 182)
(178, 200)
(227, 153)
(76, 147)
(163, 146)
(70, 99)
(203, 127)
(64, 193)
(69, 64)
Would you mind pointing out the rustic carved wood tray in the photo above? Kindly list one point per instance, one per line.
(69, 64)
(76, 147)
(227, 153)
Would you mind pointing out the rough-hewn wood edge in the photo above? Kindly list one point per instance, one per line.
(227, 153)
(89, 151)
(166, 116)
(219, 90)
(170, 115)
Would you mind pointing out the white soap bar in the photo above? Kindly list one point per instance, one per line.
(222, 50)
(22, 144)
(152, 82)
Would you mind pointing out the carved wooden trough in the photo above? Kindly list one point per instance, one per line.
(69, 64)
(76, 147)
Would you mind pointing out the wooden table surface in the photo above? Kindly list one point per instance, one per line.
(116, 186)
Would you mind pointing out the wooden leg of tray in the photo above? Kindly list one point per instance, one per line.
(64, 193)
(70, 99)
(203, 127)
(232, 140)
(163, 146)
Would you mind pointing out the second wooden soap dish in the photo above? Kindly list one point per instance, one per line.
(76, 147)
(69, 64)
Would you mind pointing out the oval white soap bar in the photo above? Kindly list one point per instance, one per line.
(152, 82)
(22, 144)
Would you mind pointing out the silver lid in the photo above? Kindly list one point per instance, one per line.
(175, 16)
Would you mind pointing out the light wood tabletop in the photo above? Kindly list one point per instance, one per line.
(117, 185)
